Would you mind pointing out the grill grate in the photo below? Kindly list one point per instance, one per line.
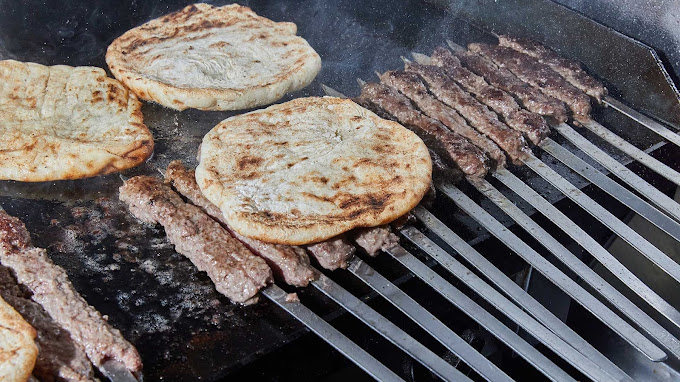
(365, 39)
(550, 331)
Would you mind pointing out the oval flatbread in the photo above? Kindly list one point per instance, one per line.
(63, 122)
(213, 58)
(310, 169)
(18, 350)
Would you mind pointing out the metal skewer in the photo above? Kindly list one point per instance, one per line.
(533, 327)
(586, 273)
(407, 343)
(605, 258)
(552, 273)
(622, 172)
(632, 201)
(437, 329)
(634, 152)
(509, 287)
(621, 229)
(117, 372)
(642, 119)
(331, 335)
(570, 287)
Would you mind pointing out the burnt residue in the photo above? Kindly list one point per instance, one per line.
(131, 273)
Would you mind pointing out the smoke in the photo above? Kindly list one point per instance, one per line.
(71, 32)
(656, 23)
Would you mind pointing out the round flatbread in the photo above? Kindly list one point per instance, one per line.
(18, 350)
(310, 169)
(213, 58)
(63, 122)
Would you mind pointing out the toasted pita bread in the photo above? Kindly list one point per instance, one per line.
(213, 58)
(63, 122)
(18, 350)
(310, 169)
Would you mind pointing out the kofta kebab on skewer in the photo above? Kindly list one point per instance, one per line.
(391, 100)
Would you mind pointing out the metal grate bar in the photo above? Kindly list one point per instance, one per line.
(606, 259)
(642, 119)
(407, 343)
(655, 196)
(632, 201)
(552, 273)
(621, 229)
(516, 293)
(495, 298)
(410, 307)
(331, 335)
(441, 332)
(583, 271)
(634, 152)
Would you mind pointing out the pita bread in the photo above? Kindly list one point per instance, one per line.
(18, 350)
(310, 169)
(213, 58)
(63, 122)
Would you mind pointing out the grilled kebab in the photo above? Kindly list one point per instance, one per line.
(235, 271)
(60, 358)
(411, 85)
(529, 70)
(531, 98)
(452, 146)
(332, 253)
(478, 115)
(532, 125)
(51, 288)
(569, 69)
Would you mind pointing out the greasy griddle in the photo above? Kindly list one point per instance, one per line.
(182, 327)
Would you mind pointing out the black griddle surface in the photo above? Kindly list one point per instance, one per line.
(182, 327)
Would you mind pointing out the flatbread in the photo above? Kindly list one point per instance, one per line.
(63, 122)
(310, 169)
(18, 350)
(213, 58)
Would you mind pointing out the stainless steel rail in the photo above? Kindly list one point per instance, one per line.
(510, 288)
(626, 233)
(405, 342)
(435, 328)
(629, 309)
(643, 120)
(552, 273)
(632, 151)
(606, 259)
(632, 201)
(544, 334)
(655, 196)
(331, 335)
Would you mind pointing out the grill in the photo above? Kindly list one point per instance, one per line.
(483, 281)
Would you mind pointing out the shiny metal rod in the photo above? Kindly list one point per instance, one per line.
(552, 273)
(610, 293)
(601, 254)
(421, 316)
(404, 341)
(331, 335)
(432, 325)
(642, 119)
(617, 226)
(535, 328)
(632, 151)
(514, 291)
(622, 194)
(655, 196)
